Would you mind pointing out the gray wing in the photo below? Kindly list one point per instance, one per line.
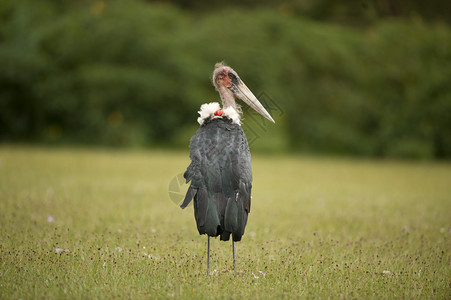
(221, 179)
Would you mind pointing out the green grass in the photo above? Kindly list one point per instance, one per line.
(318, 228)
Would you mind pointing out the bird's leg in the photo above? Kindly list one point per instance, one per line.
(234, 260)
(208, 257)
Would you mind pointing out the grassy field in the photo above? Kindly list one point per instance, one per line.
(84, 224)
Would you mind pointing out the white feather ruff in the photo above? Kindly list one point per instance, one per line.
(232, 114)
(208, 110)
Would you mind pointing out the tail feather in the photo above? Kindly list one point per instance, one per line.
(231, 215)
(206, 212)
(200, 207)
(235, 218)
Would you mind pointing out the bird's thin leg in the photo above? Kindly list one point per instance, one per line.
(208, 257)
(234, 260)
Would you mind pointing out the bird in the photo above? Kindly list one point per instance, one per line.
(220, 172)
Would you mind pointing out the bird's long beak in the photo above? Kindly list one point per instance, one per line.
(242, 92)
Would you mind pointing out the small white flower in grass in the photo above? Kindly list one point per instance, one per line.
(119, 230)
(386, 272)
(264, 274)
(255, 276)
(59, 250)
(118, 249)
(50, 219)
(252, 234)
(156, 258)
(153, 230)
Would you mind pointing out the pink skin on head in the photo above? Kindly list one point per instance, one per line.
(223, 79)
(223, 84)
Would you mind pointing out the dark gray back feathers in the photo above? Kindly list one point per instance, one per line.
(221, 179)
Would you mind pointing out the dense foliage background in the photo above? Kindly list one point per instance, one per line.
(370, 79)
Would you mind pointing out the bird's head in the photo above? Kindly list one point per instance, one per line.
(229, 85)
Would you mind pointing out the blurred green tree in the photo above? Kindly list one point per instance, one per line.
(135, 73)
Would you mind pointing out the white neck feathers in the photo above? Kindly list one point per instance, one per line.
(208, 111)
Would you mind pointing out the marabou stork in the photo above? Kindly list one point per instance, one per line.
(220, 171)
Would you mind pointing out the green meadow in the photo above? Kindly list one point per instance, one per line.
(99, 224)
